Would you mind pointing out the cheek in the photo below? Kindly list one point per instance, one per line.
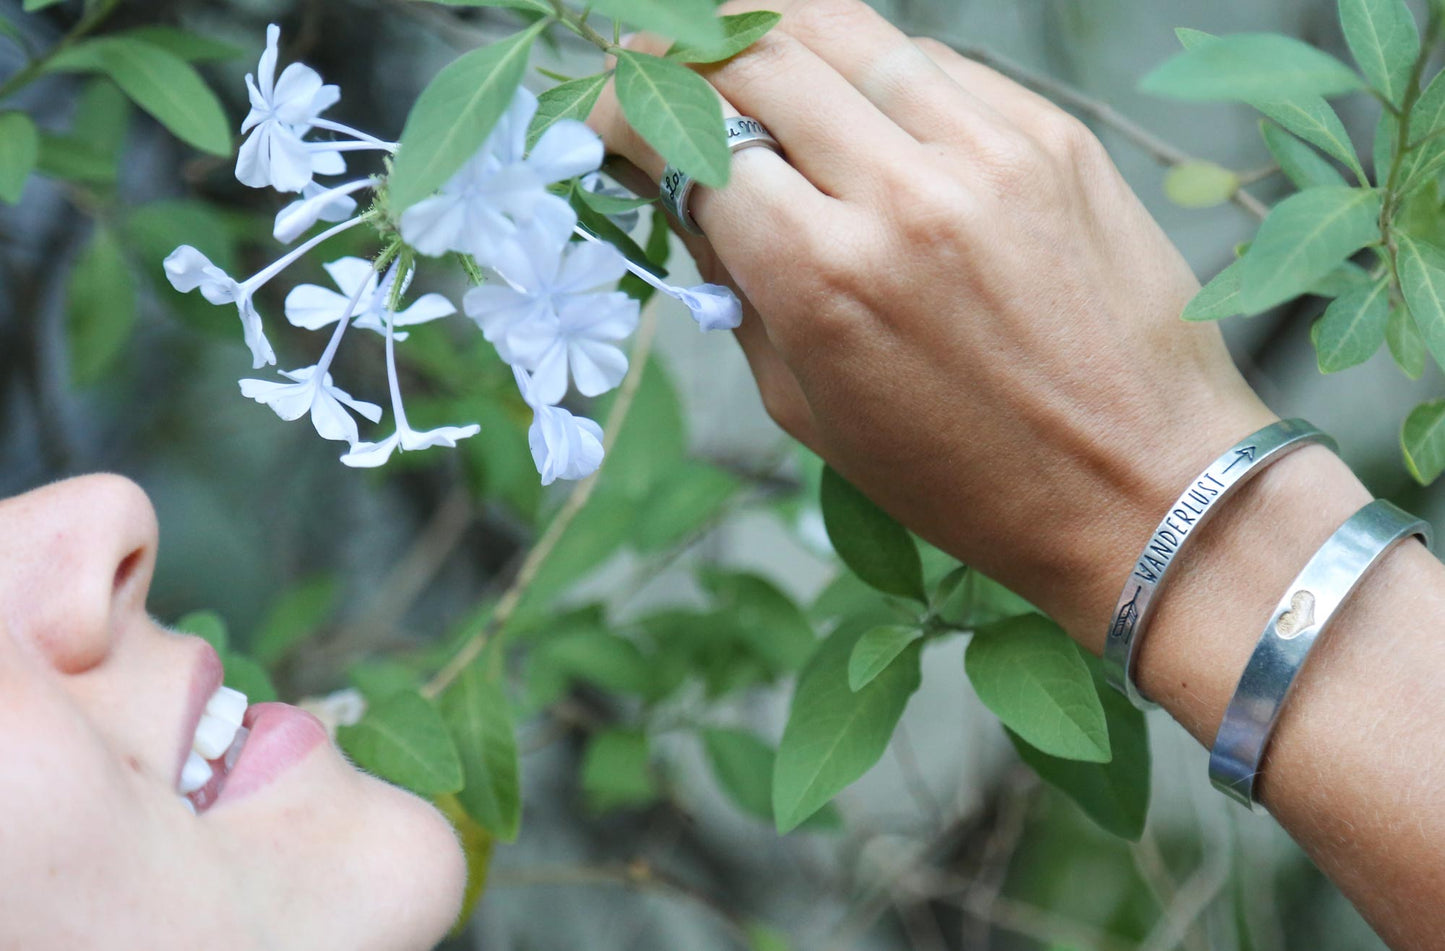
(78, 823)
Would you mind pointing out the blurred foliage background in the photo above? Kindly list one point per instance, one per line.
(643, 824)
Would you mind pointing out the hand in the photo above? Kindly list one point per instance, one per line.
(954, 298)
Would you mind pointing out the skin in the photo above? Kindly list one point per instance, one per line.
(96, 849)
(954, 298)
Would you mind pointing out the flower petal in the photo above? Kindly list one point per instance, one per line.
(330, 419)
(568, 149)
(434, 225)
(369, 455)
(713, 306)
(596, 366)
(412, 440)
(549, 373)
(588, 266)
(312, 307)
(564, 446)
(427, 308)
(287, 400)
(294, 92)
(261, 352)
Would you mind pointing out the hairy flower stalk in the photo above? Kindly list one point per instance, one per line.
(551, 307)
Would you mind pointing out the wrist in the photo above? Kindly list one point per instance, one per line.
(1230, 577)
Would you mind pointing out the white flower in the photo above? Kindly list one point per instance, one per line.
(563, 446)
(282, 111)
(552, 319)
(189, 269)
(313, 307)
(501, 186)
(315, 394)
(713, 306)
(316, 204)
(368, 455)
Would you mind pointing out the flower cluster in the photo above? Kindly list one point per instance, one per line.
(550, 307)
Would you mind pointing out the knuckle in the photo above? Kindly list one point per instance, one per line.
(771, 58)
(1065, 138)
(827, 16)
(1012, 164)
(936, 50)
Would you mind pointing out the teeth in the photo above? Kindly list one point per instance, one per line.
(213, 735)
(227, 704)
(195, 774)
(233, 752)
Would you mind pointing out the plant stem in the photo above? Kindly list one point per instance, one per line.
(537, 557)
(577, 23)
(1393, 190)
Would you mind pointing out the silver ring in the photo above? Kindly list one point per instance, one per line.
(676, 186)
(1300, 618)
(1200, 500)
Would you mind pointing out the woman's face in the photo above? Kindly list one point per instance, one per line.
(98, 708)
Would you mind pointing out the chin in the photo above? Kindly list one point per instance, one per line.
(416, 859)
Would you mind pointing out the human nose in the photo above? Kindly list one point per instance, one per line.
(76, 559)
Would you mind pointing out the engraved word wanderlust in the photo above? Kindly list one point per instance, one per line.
(1176, 526)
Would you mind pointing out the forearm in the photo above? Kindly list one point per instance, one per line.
(1353, 772)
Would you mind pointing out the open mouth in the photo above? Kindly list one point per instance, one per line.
(215, 748)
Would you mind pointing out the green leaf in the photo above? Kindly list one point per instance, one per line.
(91, 151)
(742, 763)
(616, 772)
(611, 204)
(677, 112)
(402, 738)
(835, 735)
(455, 113)
(876, 649)
(191, 47)
(1304, 238)
(875, 547)
(207, 625)
(1309, 117)
(476, 712)
(1300, 163)
(30, 6)
(380, 678)
(1217, 299)
(1028, 672)
(8, 28)
(295, 617)
(1250, 66)
(600, 658)
(1422, 437)
(1200, 184)
(570, 100)
(1382, 148)
(100, 308)
(159, 82)
(740, 30)
(19, 149)
(1349, 276)
(763, 937)
(1114, 794)
(1406, 345)
(249, 677)
(775, 628)
(980, 600)
(603, 227)
(1352, 327)
(1385, 41)
(1313, 119)
(1421, 268)
(687, 500)
(692, 21)
(1420, 162)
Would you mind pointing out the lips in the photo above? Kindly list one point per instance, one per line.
(281, 736)
(206, 676)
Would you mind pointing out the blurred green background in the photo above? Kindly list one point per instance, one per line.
(949, 842)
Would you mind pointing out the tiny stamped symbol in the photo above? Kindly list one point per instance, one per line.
(1301, 615)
